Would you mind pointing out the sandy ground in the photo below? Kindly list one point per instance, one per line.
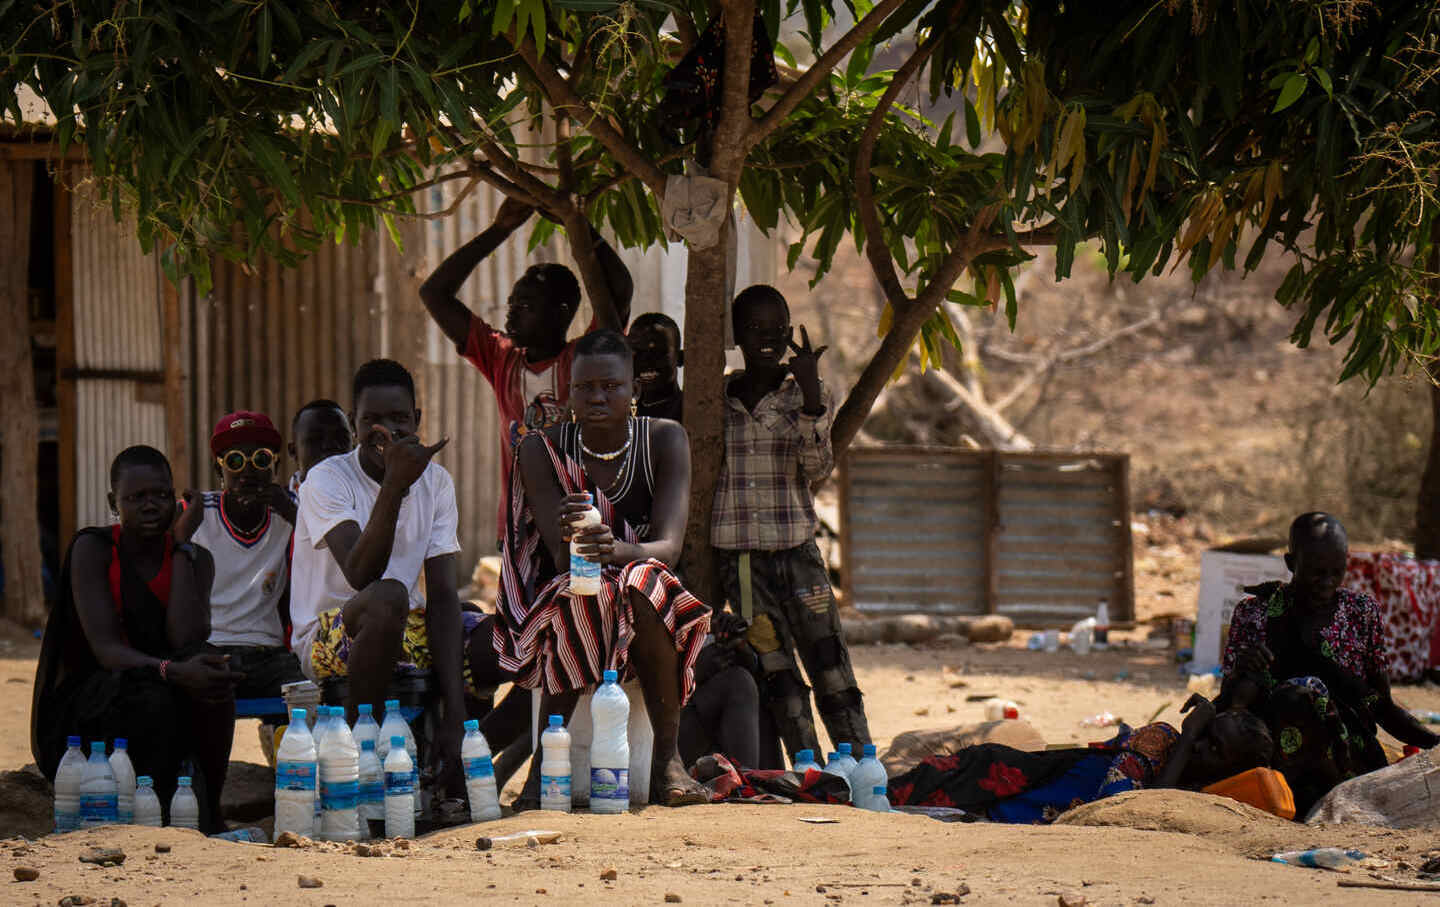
(751, 854)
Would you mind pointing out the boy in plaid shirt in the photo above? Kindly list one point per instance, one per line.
(777, 442)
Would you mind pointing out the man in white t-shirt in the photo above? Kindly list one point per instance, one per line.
(246, 527)
(371, 522)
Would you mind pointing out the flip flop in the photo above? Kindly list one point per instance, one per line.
(695, 795)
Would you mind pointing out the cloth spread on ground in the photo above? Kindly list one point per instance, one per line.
(727, 781)
(1408, 591)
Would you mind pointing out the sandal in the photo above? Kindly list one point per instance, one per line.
(692, 794)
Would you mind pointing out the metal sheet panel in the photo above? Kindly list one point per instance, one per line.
(119, 363)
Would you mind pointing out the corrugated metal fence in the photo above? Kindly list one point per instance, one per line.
(1040, 537)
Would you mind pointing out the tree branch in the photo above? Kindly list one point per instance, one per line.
(820, 70)
(564, 101)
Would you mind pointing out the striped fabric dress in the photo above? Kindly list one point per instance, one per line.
(558, 642)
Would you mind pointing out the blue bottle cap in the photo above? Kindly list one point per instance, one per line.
(869, 749)
(97, 746)
(183, 781)
(556, 721)
(831, 757)
(845, 749)
(612, 676)
(145, 781)
(879, 790)
(370, 744)
(366, 708)
(397, 740)
(472, 725)
(804, 756)
(392, 704)
(297, 716)
(72, 740)
(121, 743)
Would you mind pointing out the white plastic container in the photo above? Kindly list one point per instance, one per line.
(804, 761)
(833, 766)
(639, 733)
(147, 803)
(480, 785)
(184, 808)
(1102, 626)
(1001, 709)
(124, 782)
(366, 727)
(372, 785)
(867, 774)
(609, 747)
(1082, 636)
(399, 791)
(584, 573)
(339, 781)
(555, 766)
(879, 800)
(295, 779)
(67, 786)
(844, 755)
(395, 725)
(98, 791)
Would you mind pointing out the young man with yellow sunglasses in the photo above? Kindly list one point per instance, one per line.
(247, 527)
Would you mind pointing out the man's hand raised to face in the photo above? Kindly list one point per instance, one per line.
(406, 458)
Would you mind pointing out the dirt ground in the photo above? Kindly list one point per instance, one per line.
(1157, 847)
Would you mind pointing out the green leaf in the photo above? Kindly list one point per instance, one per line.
(972, 124)
(271, 162)
(1294, 88)
(1323, 77)
(263, 36)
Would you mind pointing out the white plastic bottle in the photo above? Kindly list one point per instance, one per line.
(394, 725)
(868, 773)
(98, 791)
(1082, 636)
(804, 761)
(295, 778)
(480, 784)
(1102, 626)
(339, 781)
(372, 786)
(584, 573)
(147, 803)
(184, 808)
(833, 766)
(879, 800)
(67, 786)
(609, 747)
(555, 766)
(1320, 857)
(846, 757)
(124, 782)
(365, 726)
(399, 791)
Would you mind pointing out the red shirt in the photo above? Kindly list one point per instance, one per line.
(530, 395)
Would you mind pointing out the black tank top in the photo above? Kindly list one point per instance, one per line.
(633, 492)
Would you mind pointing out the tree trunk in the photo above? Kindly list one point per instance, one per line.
(1427, 504)
(705, 307)
(19, 424)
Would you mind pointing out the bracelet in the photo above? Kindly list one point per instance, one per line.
(164, 670)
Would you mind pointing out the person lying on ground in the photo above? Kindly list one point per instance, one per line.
(124, 651)
(1009, 785)
(372, 523)
(777, 442)
(247, 528)
(643, 623)
(1310, 658)
(319, 430)
(655, 340)
(528, 363)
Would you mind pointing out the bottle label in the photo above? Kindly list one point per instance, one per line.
(336, 795)
(555, 786)
(372, 791)
(610, 784)
(97, 808)
(478, 768)
(399, 782)
(294, 776)
(583, 568)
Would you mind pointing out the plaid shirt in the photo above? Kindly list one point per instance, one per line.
(763, 501)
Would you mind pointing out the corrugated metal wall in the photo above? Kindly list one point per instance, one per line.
(119, 362)
(1038, 537)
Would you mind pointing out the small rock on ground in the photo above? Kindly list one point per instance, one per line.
(672, 898)
(109, 856)
(310, 882)
(1071, 899)
(609, 874)
(162, 848)
(26, 874)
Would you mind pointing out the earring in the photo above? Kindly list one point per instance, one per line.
(634, 407)
(573, 417)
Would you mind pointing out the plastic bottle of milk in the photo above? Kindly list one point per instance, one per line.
(479, 775)
(879, 801)
(67, 787)
(98, 791)
(584, 573)
(609, 747)
(124, 782)
(372, 786)
(804, 761)
(867, 774)
(339, 781)
(555, 766)
(394, 725)
(365, 726)
(184, 808)
(399, 790)
(846, 758)
(147, 803)
(295, 778)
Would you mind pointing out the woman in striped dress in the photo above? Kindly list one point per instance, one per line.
(643, 623)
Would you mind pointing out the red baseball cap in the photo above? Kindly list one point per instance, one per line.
(244, 427)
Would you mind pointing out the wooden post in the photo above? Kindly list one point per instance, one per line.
(1125, 583)
(176, 436)
(19, 422)
(65, 353)
(992, 531)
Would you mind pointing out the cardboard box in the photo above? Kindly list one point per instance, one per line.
(1223, 576)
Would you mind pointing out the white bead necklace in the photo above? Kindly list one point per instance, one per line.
(629, 437)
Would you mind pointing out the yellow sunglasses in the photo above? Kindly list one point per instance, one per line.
(262, 459)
